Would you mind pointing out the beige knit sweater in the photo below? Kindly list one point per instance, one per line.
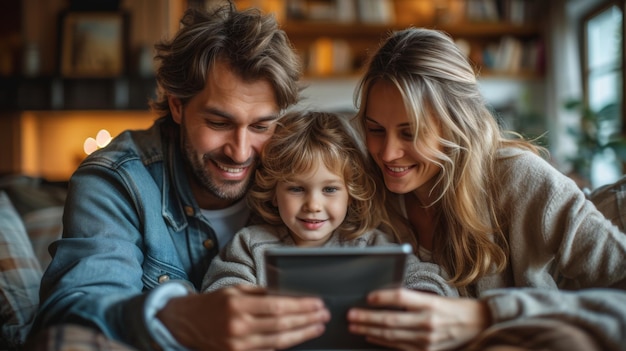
(566, 260)
(241, 261)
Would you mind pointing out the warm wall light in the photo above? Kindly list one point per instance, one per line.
(103, 138)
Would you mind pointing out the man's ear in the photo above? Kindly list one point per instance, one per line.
(176, 107)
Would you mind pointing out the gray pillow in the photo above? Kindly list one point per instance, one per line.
(20, 277)
(610, 199)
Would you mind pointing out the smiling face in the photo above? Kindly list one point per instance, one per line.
(390, 140)
(312, 205)
(223, 129)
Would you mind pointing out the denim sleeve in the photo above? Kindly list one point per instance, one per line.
(96, 275)
(157, 300)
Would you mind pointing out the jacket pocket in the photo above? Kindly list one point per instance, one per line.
(156, 272)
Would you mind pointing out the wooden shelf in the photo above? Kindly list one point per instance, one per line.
(490, 30)
(328, 46)
(314, 29)
(60, 93)
(484, 38)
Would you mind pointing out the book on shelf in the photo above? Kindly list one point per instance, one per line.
(346, 11)
(329, 56)
(522, 11)
(482, 11)
(342, 11)
(511, 11)
(511, 55)
(376, 11)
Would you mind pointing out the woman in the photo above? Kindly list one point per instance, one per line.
(511, 230)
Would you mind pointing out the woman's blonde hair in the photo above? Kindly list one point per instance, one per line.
(303, 140)
(442, 97)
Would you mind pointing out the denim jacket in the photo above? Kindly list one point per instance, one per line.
(130, 224)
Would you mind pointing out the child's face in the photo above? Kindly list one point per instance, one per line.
(312, 205)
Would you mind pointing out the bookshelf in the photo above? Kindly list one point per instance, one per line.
(502, 38)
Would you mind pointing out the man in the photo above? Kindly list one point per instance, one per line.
(145, 216)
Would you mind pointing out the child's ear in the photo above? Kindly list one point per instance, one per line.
(274, 202)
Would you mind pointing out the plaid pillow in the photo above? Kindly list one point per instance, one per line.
(43, 227)
(70, 337)
(20, 276)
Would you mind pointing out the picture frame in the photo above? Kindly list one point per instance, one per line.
(93, 44)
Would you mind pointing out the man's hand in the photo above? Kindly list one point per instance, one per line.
(243, 318)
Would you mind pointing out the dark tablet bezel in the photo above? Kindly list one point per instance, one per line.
(342, 277)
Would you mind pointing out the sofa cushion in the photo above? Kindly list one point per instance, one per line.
(43, 227)
(20, 276)
(610, 199)
(40, 204)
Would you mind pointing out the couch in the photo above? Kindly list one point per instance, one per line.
(30, 219)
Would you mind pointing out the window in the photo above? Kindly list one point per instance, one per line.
(603, 83)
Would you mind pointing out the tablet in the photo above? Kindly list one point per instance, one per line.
(342, 277)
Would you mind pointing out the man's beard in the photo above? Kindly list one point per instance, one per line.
(224, 190)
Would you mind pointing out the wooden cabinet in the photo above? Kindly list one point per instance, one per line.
(335, 37)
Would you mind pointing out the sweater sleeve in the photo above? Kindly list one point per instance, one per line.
(601, 312)
(235, 265)
(557, 238)
(426, 276)
(567, 260)
(419, 275)
(589, 251)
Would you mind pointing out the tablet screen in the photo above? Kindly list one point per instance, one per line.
(342, 277)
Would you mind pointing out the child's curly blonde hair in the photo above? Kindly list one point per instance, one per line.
(304, 139)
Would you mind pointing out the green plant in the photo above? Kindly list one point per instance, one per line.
(598, 131)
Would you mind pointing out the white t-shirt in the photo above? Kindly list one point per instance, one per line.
(227, 221)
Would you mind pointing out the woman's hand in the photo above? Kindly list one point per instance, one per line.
(424, 321)
(243, 318)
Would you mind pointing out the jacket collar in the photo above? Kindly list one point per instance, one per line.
(177, 199)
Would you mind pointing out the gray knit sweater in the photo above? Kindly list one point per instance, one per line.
(566, 260)
(241, 261)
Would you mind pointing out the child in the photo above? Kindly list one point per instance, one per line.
(313, 188)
